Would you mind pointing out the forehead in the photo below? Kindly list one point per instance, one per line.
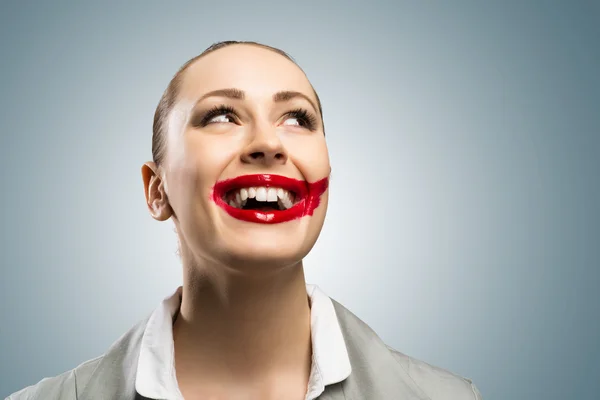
(258, 71)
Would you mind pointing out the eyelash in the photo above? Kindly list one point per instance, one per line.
(305, 118)
(215, 112)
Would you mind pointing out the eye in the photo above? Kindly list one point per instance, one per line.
(218, 115)
(300, 118)
(220, 119)
(294, 121)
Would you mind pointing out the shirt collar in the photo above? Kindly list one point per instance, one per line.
(156, 378)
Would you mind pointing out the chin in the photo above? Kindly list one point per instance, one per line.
(244, 246)
(264, 249)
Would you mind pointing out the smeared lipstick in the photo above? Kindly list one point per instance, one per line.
(307, 197)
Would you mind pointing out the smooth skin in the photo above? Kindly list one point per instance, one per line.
(244, 326)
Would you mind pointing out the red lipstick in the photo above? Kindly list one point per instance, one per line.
(307, 197)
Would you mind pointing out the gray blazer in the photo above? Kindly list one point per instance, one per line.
(378, 372)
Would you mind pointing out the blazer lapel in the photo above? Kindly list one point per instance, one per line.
(333, 392)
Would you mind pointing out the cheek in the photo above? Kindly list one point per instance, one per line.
(197, 165)
(212, 155)
(182, 178)
(310, 155)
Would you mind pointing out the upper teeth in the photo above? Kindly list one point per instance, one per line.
(238, 198)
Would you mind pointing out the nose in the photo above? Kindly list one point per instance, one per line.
(265, 149)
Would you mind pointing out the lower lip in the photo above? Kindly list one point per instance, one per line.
(304, 207)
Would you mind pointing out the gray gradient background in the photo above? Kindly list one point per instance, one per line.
(466, 135)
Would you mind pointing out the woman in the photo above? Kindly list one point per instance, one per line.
(240, 164)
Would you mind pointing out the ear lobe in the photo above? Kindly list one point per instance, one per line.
(154, 191)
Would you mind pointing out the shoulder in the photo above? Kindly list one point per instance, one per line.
(386, 370)
(437, 383)
(106, 371)
(65, 386)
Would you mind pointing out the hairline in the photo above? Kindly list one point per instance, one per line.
(180, 75)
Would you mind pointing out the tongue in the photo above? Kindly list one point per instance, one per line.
(265, 209)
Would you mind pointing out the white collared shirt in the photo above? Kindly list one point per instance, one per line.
(156, 377)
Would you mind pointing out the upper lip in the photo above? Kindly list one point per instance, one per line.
(298, 187)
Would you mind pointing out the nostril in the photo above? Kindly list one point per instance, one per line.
(264, 157)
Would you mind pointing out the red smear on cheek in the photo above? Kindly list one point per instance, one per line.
(315, 191)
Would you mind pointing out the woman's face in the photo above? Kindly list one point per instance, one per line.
(247, 167)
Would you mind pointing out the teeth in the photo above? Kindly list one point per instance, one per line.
(239, 198)
(261, 194)
(285, 199)
(285, 202)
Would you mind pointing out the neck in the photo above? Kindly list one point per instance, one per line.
(236, 328)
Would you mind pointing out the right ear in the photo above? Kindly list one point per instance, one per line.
(154, 190)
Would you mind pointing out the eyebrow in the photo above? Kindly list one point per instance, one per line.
(237, 94)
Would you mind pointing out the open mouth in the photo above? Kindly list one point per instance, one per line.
(261, 198)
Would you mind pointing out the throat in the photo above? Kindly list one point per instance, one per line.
(276, 337)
